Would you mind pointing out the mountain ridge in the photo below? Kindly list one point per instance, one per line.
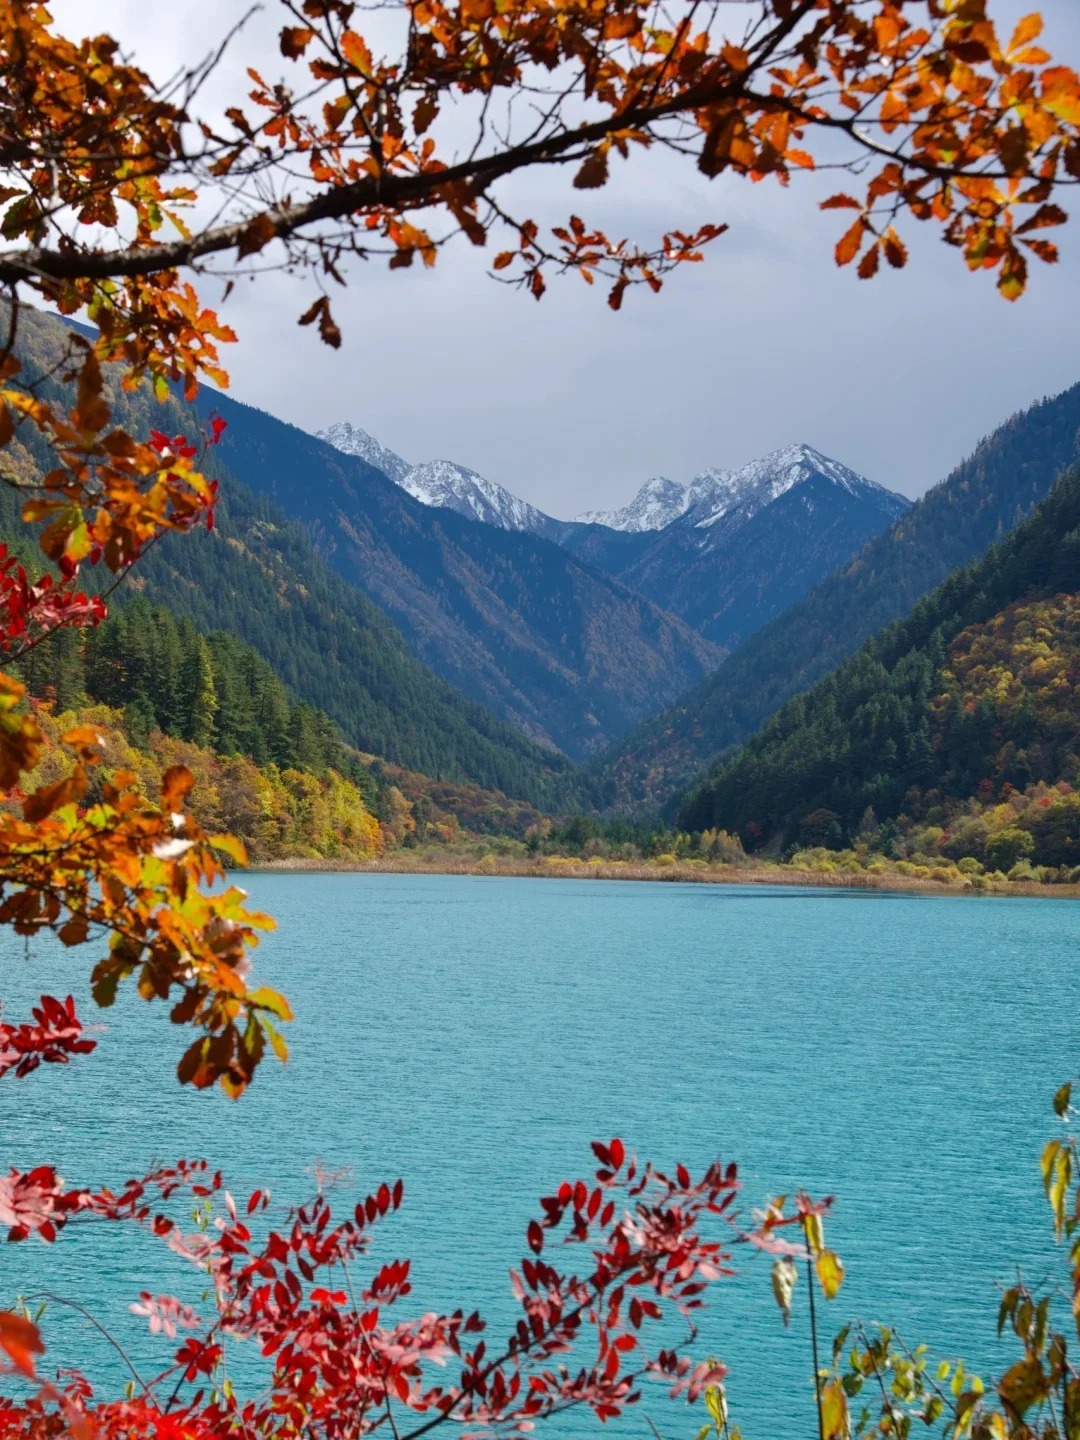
(715, 492)
(750, 542)
(738, 551)
(444, 484)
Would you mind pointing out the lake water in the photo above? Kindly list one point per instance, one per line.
(473, 1034)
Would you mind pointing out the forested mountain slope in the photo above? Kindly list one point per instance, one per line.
(753, 563)
(206, 688)
(570, 655)
(979, 503)
(725, 553)
(976, 689)
(748, 543)
(271, 770)
(258, 575)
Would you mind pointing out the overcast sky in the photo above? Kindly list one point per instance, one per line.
(571, 406)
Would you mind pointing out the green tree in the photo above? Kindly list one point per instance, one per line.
(1004, 849)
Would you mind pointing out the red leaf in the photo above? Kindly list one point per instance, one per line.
(21, 1340)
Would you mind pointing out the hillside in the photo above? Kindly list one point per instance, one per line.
(973, 692)
(729, 570)
(745, 543)
(977, 505)
(568, 654)
(258, 576)
(271, 770)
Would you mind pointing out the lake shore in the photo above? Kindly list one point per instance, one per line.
(404, 863)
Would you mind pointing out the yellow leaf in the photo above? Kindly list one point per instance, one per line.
(267, 999)
(1061, 94)
(834, 1415)
(281, 1050)
(1029, 28)
(232, 847)
(830, 1272)
(814, 1230)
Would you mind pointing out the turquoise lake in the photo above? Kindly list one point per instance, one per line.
(473, 1034)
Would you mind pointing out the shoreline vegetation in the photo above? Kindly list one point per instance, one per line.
(664, 868)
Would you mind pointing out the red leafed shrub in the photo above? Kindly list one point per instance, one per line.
(613, 1256)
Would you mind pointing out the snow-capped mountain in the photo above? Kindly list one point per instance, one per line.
(656, 504)
(742, 544)
(354, 441)
(454, 487)
(724, 553)
(443, 483)
(716, 493)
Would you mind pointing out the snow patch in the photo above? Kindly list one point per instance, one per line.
(441, 483)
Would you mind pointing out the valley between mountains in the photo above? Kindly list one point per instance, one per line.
(399, 654)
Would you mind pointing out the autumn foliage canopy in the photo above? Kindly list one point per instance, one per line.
(122, 204)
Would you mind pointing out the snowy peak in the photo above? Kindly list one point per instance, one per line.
(750, 489)
(657, 503)
(454, 487)
(440, 482)
(351, 440)
(716, 493)
(709, 497)
(765, 480)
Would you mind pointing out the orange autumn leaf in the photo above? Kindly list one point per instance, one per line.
(21, 1341)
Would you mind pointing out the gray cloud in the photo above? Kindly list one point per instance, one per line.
(571, 406)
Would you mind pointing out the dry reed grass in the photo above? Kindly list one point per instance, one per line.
(404, 863)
